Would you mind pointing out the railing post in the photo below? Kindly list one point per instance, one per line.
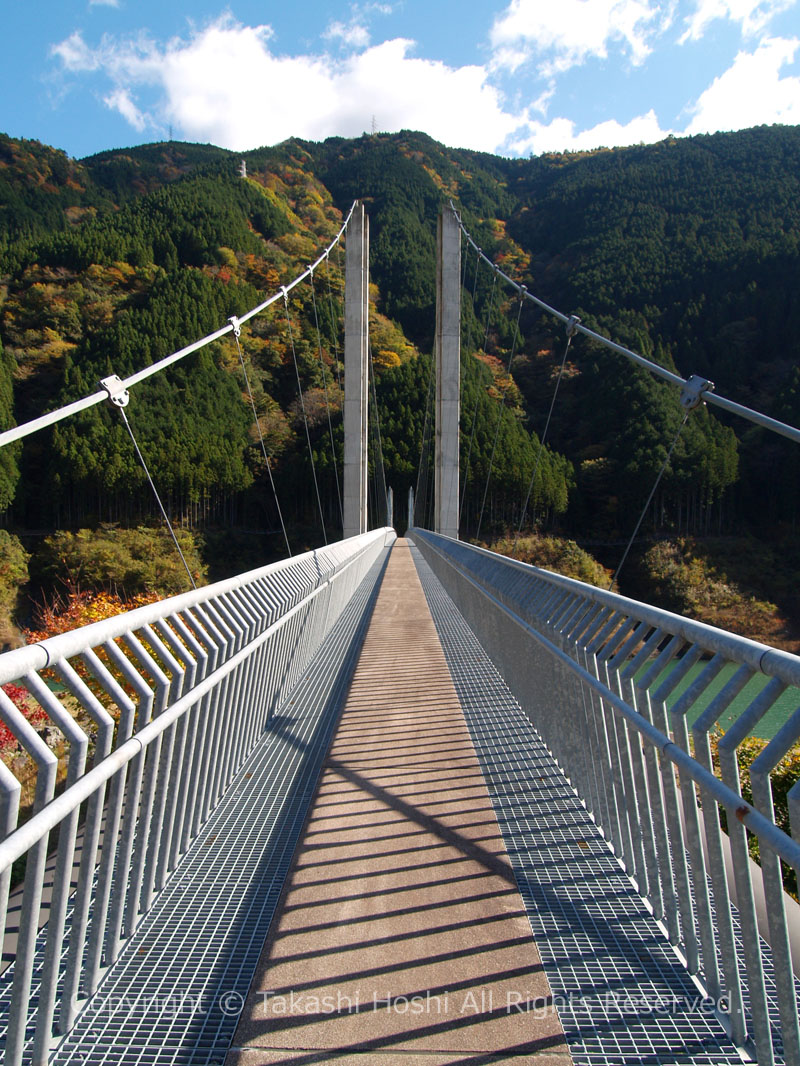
(356, 354)
(448, 371)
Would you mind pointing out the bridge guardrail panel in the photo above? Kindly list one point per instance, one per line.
(176, 694)
(599, 675)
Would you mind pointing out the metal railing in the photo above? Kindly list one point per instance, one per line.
(628, 698)
(165, 702)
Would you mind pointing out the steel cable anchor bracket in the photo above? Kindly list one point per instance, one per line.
(116, 391)
(693, 391)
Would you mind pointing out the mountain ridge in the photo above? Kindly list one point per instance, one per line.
(684, 250)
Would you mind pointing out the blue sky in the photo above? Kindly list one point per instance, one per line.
(515, 77)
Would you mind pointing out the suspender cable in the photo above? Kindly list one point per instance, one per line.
(372, 487)
(237, 329)
(571, 327)
(478, 393)
(372, 454)
(379, 466)
(422, 453)
(500, 411)
(303, 409)
(659, 475)
(115, 391)
(475, 408)
(327, 400)
(333, 315)
(158, 498)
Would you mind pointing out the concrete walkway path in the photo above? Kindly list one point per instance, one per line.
(401, 937)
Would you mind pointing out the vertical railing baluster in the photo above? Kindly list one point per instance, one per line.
(78, 744)
(46, 769)
(89, 847)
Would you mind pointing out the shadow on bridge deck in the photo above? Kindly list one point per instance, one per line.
(401, 932)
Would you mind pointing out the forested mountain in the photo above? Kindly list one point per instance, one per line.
(683, 250)
(687, 250)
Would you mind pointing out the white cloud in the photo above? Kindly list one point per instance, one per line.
(76, 55)
(752, 15)
(224, 85)
(567, 33)
(355, 34)
(751, 92)
(542, 102)
(120, 100)
(352, 35)
(103, 3)
(561, 135)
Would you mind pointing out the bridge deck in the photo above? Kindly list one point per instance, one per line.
(401, 887)
(401, 929)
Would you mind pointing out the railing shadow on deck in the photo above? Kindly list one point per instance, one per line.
(597, 675)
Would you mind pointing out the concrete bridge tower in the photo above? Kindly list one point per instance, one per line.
(356, 373)
(448, 372)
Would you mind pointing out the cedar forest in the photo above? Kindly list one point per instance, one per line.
(687, 251)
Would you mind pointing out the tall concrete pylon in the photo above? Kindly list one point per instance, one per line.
(448, 372)
(356, 355)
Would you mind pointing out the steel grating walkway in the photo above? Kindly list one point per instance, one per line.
(175, 994)
(623, 997)
(401, 936)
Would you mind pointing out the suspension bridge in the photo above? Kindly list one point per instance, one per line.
(397, 800)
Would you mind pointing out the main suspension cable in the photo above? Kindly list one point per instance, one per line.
(694, 381)
(50, 419)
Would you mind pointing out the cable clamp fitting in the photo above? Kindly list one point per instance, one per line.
(285, 295)
(693, 391)
(572, 325)
(115, 390)
(237, 326)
